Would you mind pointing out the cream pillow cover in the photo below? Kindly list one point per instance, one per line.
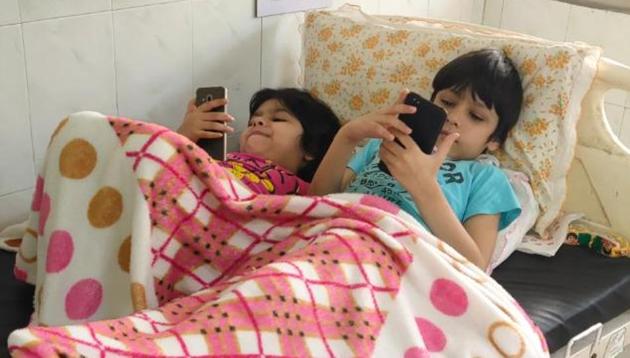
(358, 63)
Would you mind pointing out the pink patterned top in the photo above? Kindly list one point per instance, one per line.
(262, 176)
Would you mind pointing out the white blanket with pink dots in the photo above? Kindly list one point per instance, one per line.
(140, 245)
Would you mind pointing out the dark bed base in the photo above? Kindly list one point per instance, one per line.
(569, 292)
(16, 301)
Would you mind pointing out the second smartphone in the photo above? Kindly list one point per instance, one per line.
(426, 123)
(216, 148)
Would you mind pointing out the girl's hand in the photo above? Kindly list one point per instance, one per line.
(200, 122)
(380, 124)
(410, 165)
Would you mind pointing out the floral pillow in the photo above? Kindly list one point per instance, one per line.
(358, 63)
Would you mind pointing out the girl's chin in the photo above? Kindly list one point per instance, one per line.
(250, 149)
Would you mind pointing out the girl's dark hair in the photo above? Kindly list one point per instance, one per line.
(492, 77)
(319, 122)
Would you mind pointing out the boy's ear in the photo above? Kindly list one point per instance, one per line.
(308, 157)
(492, 145)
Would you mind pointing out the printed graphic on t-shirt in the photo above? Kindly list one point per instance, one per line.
(450, 175)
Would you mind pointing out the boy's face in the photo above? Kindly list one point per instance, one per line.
(274, 133)
(469, 117)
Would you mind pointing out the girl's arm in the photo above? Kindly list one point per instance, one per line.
(200, 122)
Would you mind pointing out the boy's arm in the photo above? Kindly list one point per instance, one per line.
(332, 176)
(484, 229)
(474, 239)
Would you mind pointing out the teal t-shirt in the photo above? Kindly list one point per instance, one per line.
(470, 187)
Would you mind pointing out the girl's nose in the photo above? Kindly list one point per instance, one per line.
(258, 121)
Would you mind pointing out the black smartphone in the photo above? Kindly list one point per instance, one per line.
(426, 123)
(216, 148)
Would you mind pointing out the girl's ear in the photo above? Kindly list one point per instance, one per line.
(308, 157)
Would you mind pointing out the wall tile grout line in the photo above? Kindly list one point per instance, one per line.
(260, 61)
(115, 56)
(28, 100)
(111, 9)
(16, 192)
(192, 48)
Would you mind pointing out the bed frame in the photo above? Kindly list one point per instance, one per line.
(597, 186)
(597, 178)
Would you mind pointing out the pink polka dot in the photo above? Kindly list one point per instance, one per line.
(449, 297)
(433, 337)
(379, 203)
(416, 352)
(19, 274)
(83, 299)
(44, 212)
(60, 250)
(37, 195)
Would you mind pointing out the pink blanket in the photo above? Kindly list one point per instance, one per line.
(140, 245)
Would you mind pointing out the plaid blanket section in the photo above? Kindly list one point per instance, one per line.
(140, 245)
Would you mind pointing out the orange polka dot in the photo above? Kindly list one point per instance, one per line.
(105, 207)
(32, 232)
(13, 242)
(506, 340)
(138, 296)
(77, 159)
(59, 127)
(39, 301)
(124, 254)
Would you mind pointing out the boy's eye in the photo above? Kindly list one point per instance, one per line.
(447, 103)
(476, 117)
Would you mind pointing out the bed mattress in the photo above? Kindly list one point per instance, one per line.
(569, 292)
(564, 295)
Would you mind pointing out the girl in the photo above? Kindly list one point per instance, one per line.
(287, 135)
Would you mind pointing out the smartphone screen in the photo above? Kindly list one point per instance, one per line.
(216, 148)
(426, 123)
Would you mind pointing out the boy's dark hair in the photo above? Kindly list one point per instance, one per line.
(318, 120)
(491, 77)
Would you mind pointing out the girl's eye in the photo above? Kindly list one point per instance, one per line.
(476, 117)
(279, 120)
(447, 103)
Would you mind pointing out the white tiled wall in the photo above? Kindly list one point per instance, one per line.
(153, 61)
(560, 21)
(144, 58)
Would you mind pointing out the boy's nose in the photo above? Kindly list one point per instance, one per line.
(452, 120)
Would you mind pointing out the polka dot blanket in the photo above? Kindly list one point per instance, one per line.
(140, 245)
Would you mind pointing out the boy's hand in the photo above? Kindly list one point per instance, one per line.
(410, 165)
(380, 124)
(200, 122)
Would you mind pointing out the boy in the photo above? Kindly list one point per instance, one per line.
(463, 202)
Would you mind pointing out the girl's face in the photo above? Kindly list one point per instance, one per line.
(274, 134)
(469, 117)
